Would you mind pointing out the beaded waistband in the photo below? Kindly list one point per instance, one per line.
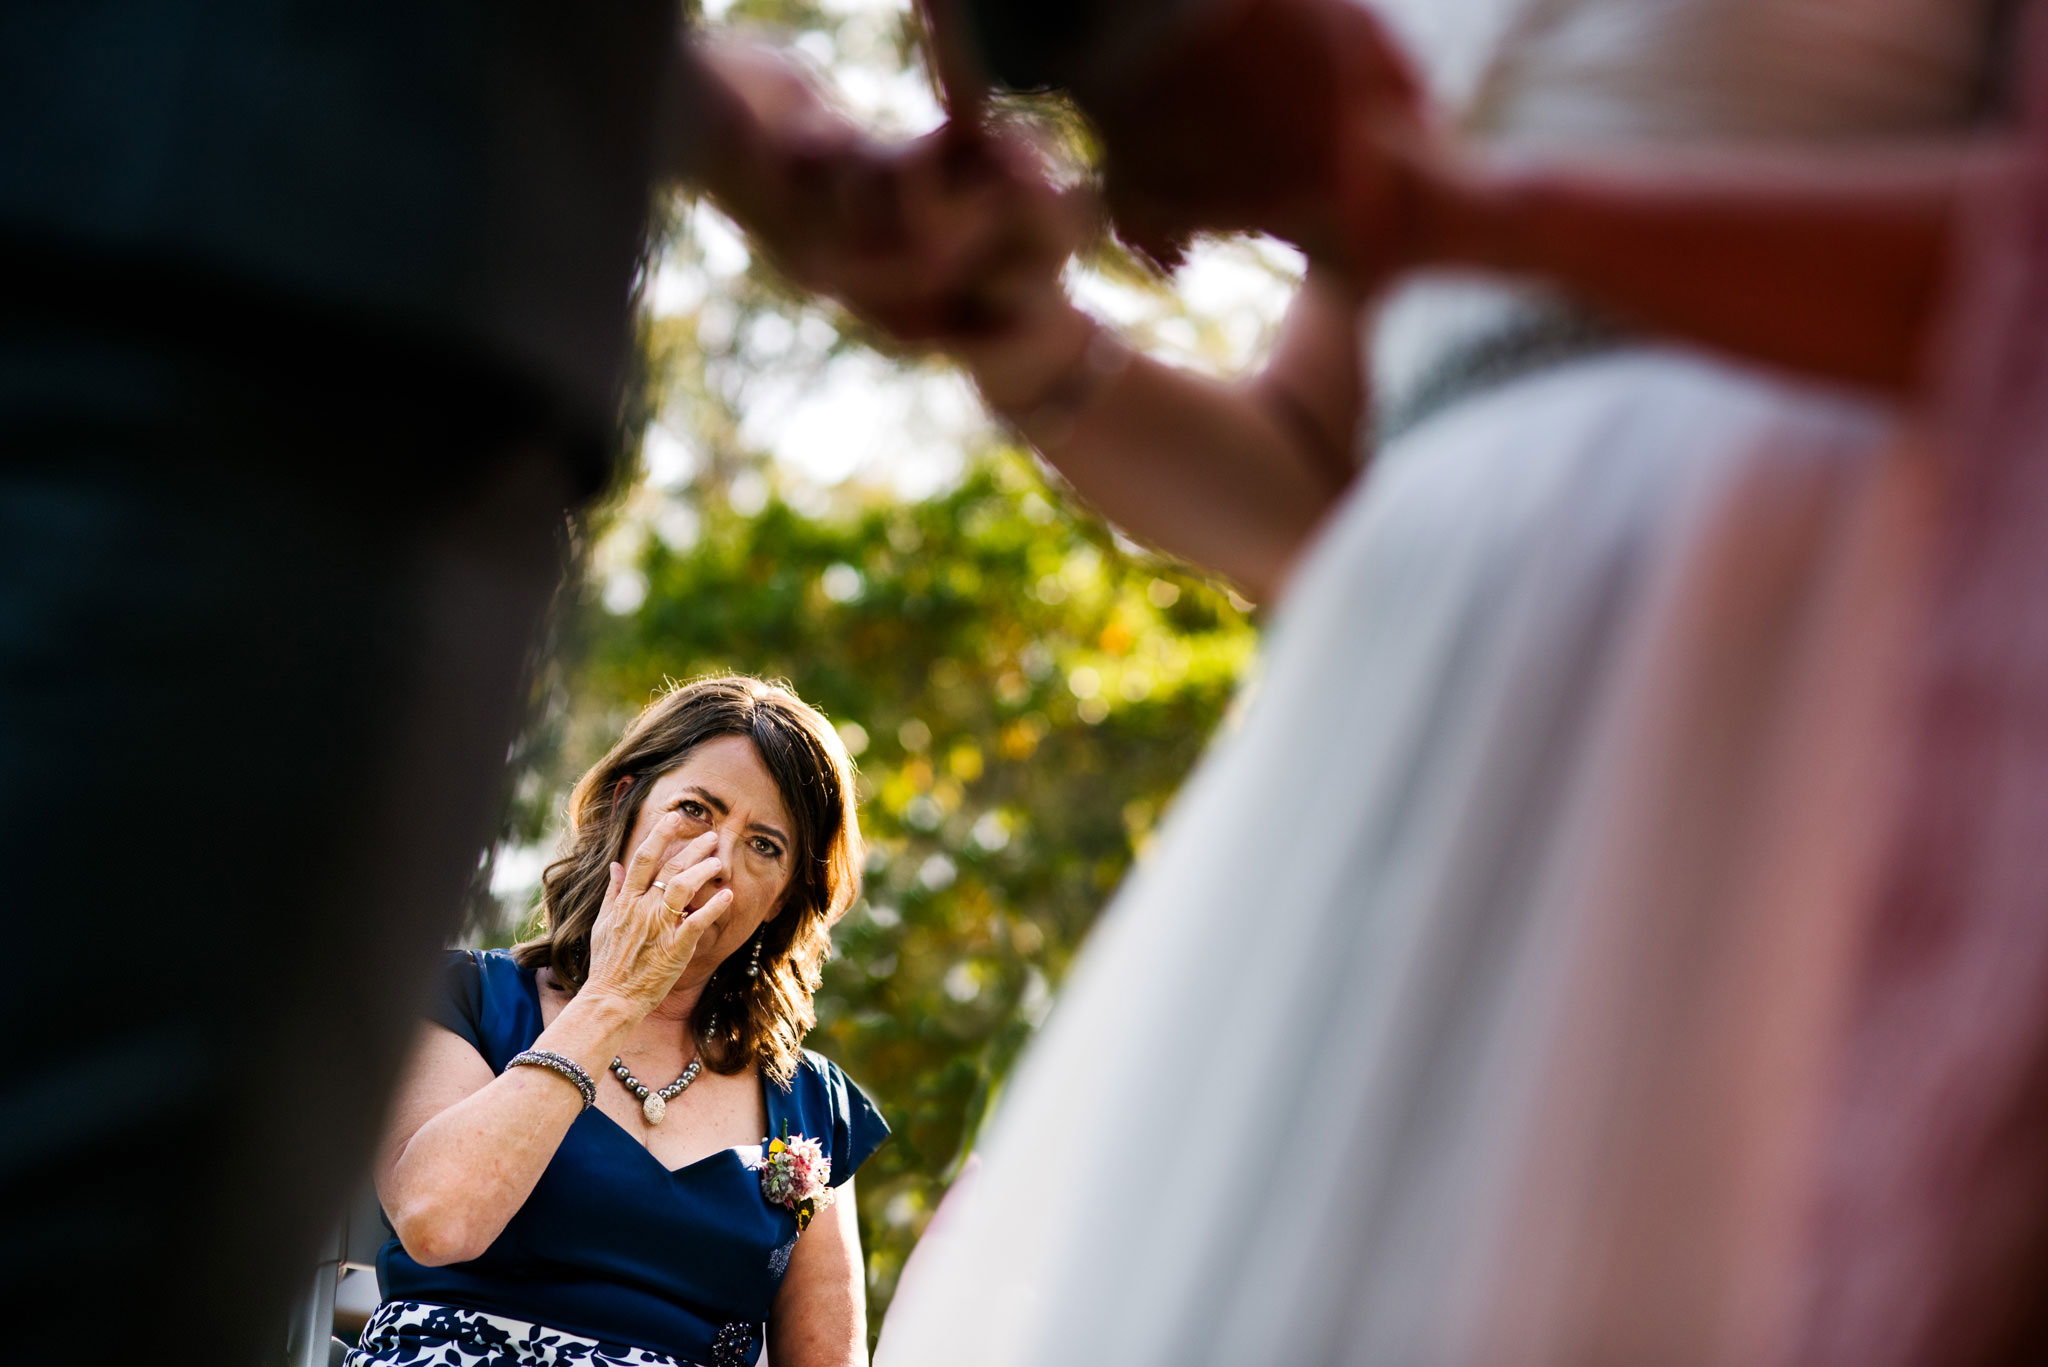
(1533, 338)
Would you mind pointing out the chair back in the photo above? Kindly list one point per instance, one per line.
(358, 1236)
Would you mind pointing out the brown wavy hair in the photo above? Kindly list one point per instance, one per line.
(740, 1022)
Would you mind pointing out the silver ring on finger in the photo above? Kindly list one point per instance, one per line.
(660, 886)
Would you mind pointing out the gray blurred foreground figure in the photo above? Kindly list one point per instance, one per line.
(313, 318)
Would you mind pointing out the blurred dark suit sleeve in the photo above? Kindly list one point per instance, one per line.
(313, 319)
(1062, 44)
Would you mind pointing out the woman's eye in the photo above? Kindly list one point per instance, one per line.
(766, 848)
(692, 809)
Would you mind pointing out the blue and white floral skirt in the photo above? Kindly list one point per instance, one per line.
(418, 1334)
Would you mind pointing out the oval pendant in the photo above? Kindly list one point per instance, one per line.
(654, 1108)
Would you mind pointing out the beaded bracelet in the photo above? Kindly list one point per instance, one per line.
(559, 1063)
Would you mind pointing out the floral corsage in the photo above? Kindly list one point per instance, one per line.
(794, 1175)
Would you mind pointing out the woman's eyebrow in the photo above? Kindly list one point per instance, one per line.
(711, 799)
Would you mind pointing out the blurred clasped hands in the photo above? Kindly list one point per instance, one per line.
(1298, 118)
(935, 240)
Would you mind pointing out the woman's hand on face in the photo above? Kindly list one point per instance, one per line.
(641, 943)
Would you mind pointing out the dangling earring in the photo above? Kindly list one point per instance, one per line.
(754, 964)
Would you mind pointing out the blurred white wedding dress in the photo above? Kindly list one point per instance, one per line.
(1471, 1004)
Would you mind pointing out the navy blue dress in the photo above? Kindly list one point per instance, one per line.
(613, 1246)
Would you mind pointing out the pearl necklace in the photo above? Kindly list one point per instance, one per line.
(654, 1104)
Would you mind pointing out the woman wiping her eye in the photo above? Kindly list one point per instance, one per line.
(612, 1146)
(696, 817)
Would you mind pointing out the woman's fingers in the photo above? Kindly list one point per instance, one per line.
(647, 860)
(689, 870)
(609, 910)
(643, 938)
(690, 930)
(685, 886)
(691, 881)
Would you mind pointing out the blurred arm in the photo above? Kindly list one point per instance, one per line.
(1832, 264)
(1232, 476)
(763, 133)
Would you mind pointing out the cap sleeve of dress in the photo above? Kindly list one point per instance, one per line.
(857, 1127)
(458, 997)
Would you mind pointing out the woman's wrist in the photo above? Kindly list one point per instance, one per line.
(1016, 366)
(591, 1027)
(1043, 375)
(562, 1066)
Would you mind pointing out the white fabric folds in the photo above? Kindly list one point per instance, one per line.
(1517, 730)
